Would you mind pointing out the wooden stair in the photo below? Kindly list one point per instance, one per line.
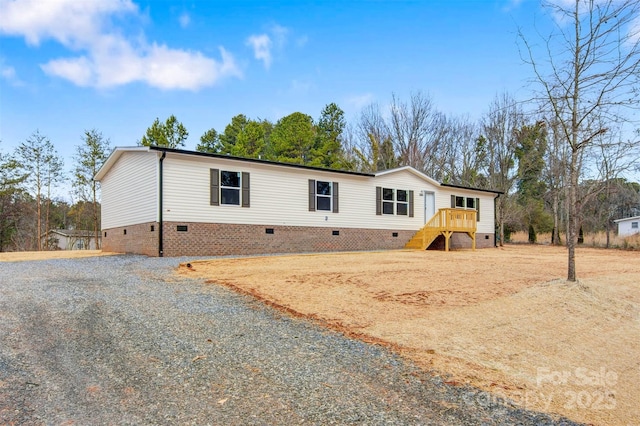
(445, 222)
(422, 239)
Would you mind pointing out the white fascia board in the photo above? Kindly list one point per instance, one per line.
(411, 170)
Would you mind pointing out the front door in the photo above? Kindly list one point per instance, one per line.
(429, 205)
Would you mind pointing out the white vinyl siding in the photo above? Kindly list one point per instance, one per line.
(625, 226)
(129, 190)
(279, 194)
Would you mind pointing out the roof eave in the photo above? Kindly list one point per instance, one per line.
(493, 191)
(255, 160)
(411, 170)
(626, 218)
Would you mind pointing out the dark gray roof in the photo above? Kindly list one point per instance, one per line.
(255, 160)
(74, 232)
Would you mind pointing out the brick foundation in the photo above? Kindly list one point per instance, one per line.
(139, 239)
(211, 239)
(216, 239)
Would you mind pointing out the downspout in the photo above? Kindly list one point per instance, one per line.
(160, 236)
(496, 231)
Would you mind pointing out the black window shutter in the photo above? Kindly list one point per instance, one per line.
(245, 189)
(410, 203)
(453, 201)
(478, 209)
(335, 197)
(378, 200)
(215, 187)
(312, 195)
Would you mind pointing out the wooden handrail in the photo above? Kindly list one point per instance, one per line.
(457, 220)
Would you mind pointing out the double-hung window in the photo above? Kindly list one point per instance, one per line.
(394, 201)
(471, 203)
(323, 196)
(387, 200)
(402, 202)
(229, 188)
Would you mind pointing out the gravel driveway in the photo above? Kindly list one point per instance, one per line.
(120, 340)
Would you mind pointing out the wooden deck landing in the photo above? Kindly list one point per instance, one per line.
(445, 222)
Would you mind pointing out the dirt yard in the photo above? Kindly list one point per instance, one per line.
(20, 256)
(503, 320)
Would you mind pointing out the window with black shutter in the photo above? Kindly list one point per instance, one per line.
(229, 188)
(323, 196)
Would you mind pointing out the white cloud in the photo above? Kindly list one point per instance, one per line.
(261, 45)
(169, 68)
(107, 58)
(72, 23)
(76, 70)
(157, 66)
(264, 45)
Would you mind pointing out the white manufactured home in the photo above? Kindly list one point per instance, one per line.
(167, 202)
(71, 239)
(628, 226)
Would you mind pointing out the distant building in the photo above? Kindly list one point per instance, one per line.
(628, 226)
(71, 239)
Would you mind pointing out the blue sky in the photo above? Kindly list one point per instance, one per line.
(116, 65)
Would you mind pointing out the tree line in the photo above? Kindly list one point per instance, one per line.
(508, 150)
(30, 176)
(296, 138)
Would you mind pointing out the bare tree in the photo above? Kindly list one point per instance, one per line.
(499, 126)
(444, 163)
(90, 156)
(53, 175)
(467, 152)
(612, 157)
(11, 180)
(555, 176)
(416, 129)
(588, 74)
(374, 150)
(40, 162)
